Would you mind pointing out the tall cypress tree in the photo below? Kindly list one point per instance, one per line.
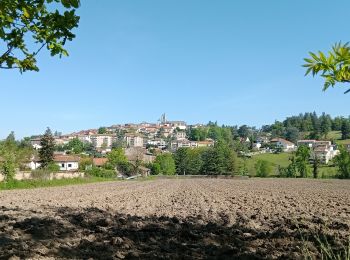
(47, 148)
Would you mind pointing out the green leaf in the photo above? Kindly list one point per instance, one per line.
(25, 12)
(313, 55)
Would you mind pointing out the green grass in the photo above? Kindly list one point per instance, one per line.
(31, 184)
(334, 135)
(346, 141)
(275, 159)
(282, 159)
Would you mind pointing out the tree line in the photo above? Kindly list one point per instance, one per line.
(217, 160)
(315, 126)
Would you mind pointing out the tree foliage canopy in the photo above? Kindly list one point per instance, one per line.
(46, 152)
(166, 164)
(27, 26)
(334, 67)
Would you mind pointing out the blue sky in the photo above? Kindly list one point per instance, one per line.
(237, 62)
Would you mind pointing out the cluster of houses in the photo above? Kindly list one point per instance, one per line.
(323, 150)
(163, 135)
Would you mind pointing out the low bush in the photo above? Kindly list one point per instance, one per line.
(41, 174)
(263, 168)
(100, 172)
(53, 167)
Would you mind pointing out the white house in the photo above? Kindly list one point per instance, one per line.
(180, 135)
(67, 162)
(206, 143)
(183, 144)
(178, 124)
(325, 153)
(285, 145)
(157, 142)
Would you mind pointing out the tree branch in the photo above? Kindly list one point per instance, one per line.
(42, 46)
(6, 53)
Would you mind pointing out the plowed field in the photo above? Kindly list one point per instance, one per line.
(177, 218)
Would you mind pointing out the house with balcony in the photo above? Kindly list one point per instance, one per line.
(283, 144)
(324, 153)
(103, 140)
(133, 140)
(308, 143)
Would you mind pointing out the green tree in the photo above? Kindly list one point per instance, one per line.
(102, 130)
(342, 161)
(292, 134)
(47, 149)
(181, 157)
(195, 161)
(197, 133)
(189, 161)
(315, 166)
(166, 163)
(76, 146)
(243, 167)
(325, 125)
(8, 167)
(345, 129)
(334, 67)
(291, 170)
(244, 131)
(9, 154)
(155, 169)
(337, 123)
(219, 160)
(25, 24)
(117, 157)
(263, 168)
(302, 160)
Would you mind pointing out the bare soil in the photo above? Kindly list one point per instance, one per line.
(167, 219)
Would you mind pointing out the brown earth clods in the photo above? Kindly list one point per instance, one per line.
(179, 218)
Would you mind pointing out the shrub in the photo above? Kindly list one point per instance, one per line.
(100, 172)
(126, 168)
(53, 167)
(263, 168)
(155, 169)
(85, 163)
(41, 174)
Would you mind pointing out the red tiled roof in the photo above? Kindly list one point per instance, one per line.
(66, 158)
(99, 161)
(282, 141)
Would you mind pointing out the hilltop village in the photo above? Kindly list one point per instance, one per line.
(145, 141)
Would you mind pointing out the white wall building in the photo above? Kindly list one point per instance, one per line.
(133, 140)
(67, 162)
(285, 145)
(308, 143)
(102, 140)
